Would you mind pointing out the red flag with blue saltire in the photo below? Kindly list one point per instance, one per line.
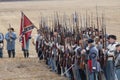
(26, 28)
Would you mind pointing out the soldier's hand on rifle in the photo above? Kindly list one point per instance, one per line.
(104, 51)
(83, 51)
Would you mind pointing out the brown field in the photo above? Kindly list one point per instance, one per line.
(10, 14)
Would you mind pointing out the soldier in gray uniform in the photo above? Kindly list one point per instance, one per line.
(10, 37)
(117, 62)
(110, 71)
(77, 62)
(54, 58)
(93, 64)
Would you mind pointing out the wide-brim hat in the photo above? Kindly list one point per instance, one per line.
(90, 40)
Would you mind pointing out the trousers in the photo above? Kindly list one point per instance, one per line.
(11, 53)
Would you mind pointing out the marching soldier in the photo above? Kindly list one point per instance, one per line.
(117, 62)
(54, 57)
(39, 45)
(61, 56)
(79, 64)
(110, 72)
(93, 64)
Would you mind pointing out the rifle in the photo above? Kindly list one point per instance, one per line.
(92, 21)
(81, 22)
(89, 20)
(58, 23)
(65, 28)
(86, 20)
(55, 23)
(77, 28)
(57, 18)
(97, 18)
(40, 23)
(104, 39)
(101, 54)
(77, 22)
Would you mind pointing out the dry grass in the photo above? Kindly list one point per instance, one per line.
(25, 69)
(11, 69)
(10, 13)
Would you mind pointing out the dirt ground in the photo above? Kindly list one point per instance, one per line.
(26, 69)
(10, 14)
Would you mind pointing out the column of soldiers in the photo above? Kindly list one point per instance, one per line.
(80, 54)
(86, 54)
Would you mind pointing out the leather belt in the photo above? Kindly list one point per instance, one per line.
(110, 58)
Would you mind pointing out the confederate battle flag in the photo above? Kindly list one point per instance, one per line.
(26, 28)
